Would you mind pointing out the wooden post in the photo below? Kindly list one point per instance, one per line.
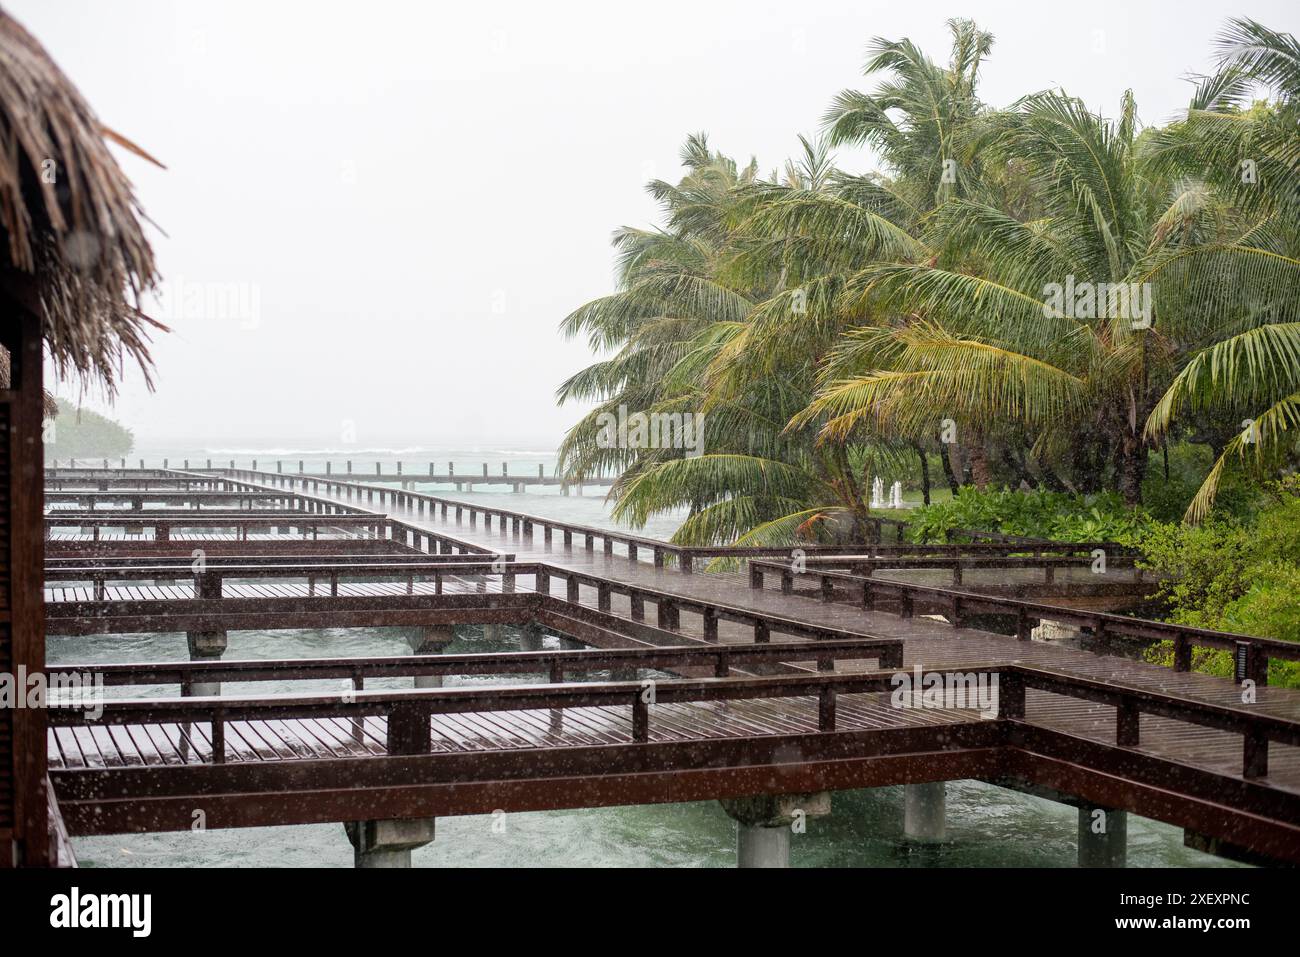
(826, 709)
(1126, 724)
(711, 626)
(22, 559)
(1011, 697)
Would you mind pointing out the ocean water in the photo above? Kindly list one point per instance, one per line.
(987, 826)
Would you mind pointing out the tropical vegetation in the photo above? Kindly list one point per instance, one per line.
(834, 326)
(1079, 325)
(82, 433)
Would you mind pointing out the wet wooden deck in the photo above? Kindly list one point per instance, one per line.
(928, 643)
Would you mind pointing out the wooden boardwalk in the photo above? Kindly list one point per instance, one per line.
(145, 745)
(1184, 727)
(929, 642)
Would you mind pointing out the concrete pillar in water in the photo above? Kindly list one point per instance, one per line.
(430, 640)
(492, 632)
(758, 846)
(924, 811)
(765, 822)
(1103, 837)
(387, 843)
(1057, 633)
(206, 646)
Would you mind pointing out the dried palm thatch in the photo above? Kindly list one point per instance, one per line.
(69, 219)
(51, 406)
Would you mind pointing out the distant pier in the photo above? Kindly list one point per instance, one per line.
(407, 476)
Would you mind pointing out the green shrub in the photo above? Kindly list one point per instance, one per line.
(1234, 575)
(1166, 499)
(1037, 514)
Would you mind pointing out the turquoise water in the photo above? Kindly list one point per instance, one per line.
(987, 826)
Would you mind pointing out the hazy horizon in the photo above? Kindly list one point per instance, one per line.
(377, 217)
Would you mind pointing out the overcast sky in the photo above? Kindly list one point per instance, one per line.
(377, 213)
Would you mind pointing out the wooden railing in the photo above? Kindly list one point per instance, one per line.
(131, 481)
(1251, 654)
(94, 563)
(502, 572)
(208, 579)
(161, 524)
(554, 664)
(857, 565)
(409, 713)
(521, 523)
(483, 476)
(135, 499)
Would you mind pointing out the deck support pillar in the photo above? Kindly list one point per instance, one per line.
(1057, 633)
(430, 640)
(387, 843)
(530, 637)
(1103, 837)
(206, 646)
(925, 811)
(758, 846)
(765, 822)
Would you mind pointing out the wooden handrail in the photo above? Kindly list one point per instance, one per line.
(1254, 652)
(409, 712)
(720, 658)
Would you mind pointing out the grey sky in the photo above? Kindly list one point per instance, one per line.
(396, 203)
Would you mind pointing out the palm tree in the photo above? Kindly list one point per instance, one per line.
(1246, 366)
(773, 254)
(972, 334)
(669, 292)
(919, 120)
(1047, 287)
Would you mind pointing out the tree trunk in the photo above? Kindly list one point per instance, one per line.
(947, 466)
(981, 474)
(925, 474)
(1019, 469)
(1131, 464)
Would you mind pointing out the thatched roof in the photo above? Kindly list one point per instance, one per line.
(51, 404)
(68, 217)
